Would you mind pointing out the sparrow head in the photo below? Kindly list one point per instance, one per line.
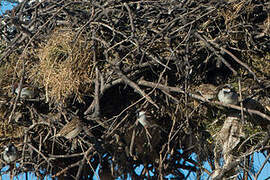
(26, 91)
(226, 90)
(10, 148)
(142, 118)
(228, 96)
(140, 113)
(10, 153)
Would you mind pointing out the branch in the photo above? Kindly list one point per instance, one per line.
(198, 97)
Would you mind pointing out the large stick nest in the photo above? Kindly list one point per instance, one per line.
(103, 61)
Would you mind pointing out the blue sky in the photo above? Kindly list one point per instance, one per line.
(258, 160)
(5, 6)
(258, 157)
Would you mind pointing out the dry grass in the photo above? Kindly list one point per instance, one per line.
(262, 63)
(64, 69)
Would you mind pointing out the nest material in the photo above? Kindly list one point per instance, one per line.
(104, 61)
(64, 69)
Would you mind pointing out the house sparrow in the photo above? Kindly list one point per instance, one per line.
(228, 96)
(10, 153)
(71, 129)
(208, 91)
(26, 92)
(142, 119)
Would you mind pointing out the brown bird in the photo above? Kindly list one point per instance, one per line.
(71, 129)
(208, 91)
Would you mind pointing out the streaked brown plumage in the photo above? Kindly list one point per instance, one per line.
(71, 129)
(208, 91)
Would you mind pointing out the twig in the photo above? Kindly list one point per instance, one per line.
(97, 92)
(135, 87)
(219, 56)
(240, 62)
(19, 93)
(179, 90)
(44, 157)
(106, 87)
(262, 166)
(132, 141)
(241, 100)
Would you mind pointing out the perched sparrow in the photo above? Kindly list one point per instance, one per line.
(228, 96)
(141, 117)
(208, 91)
(71, 129)
(26, 92)
(10, 153)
